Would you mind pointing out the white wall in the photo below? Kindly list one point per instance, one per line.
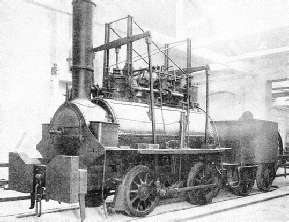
(25, 70)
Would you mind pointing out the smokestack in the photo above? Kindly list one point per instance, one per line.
(82, 55)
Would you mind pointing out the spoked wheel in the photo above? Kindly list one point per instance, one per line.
(246, 184)
(140, 192)
(201, 174)
(264, 177)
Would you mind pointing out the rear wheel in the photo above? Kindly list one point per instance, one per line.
(246, 184)
(264, 177)
(140, 192)
(201, 174)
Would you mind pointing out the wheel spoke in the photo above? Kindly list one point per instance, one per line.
(133, 191)
(135, 198)
(140, 179)
(150, 183)
(136, 183)
(146, 178)
(199, 181)
(138, 205)
(210, 180)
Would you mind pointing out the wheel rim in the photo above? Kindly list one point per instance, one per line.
(141, 193)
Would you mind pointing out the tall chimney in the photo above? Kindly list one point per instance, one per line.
(82, 55)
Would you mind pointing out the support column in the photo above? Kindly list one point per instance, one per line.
(129, 46)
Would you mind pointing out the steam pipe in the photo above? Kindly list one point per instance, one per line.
(82, 55)
(207, 104)
(149, 41)
(106, 56)
(129, 45)
(189, 64)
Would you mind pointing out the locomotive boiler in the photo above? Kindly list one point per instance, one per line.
(115, 142)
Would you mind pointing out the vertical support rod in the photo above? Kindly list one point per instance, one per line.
(66, 93)
(149, 41)
(116, 57)
(166, 57)
(189, 64)
(82, 192)
(189, 53)
(106, 56)
(129, 46)
(207, 104)
(182, 128)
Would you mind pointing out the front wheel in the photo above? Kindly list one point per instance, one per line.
(140, 192)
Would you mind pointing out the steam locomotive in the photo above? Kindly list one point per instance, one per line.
(140, 137)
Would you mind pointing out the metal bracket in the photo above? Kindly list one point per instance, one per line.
(239, 169)
(39, 194)
(82, 192)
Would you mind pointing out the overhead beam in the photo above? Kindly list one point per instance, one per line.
(119, 42)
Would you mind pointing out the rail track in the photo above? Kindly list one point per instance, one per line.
(169, 206)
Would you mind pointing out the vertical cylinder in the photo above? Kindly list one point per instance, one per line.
(82, 55)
